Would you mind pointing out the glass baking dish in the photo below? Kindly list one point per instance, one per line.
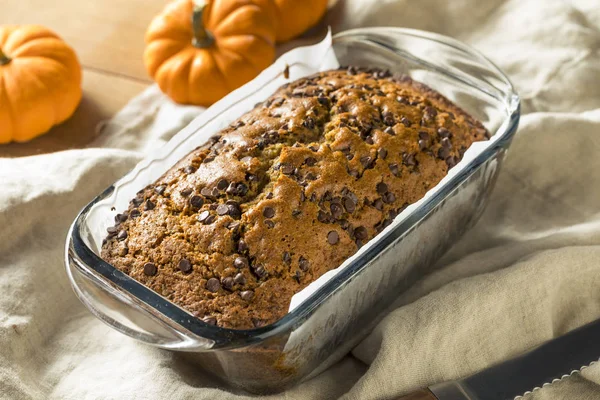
(334, 318)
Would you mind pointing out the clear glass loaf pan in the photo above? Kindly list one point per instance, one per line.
(332, 320)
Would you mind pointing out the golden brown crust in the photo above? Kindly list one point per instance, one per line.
(288, 192)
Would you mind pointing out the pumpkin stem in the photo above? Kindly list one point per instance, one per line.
(202, 37)
(4, 59)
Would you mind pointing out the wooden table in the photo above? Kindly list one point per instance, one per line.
(108, 36)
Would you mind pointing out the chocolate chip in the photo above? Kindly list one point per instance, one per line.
(361, 233)
(286, 72)
(231, 189)
(121, 217)
(295, 213)
(354, 173)
(222, 184)
(160, 189)
(222, 209)
(214, 192)
(268, 212)
(333, 237)
(149, 205)
(322, 99)
(247, 295)
(351, 70)
(390, 131)
(240, 262)
(401, 100)
(310, 161)
(309, 122)
(394, 169)
(251, 177)
(336, 210)
(451, 161)
(323, 217)
(287, 169)
(369, 140)
(242, 246)
(203, 216)
(388, 198)
(185, 265)
(150, 269)
(381, 75)
(206, 192)
(134, 213)
(389, 120)
(260, 271)
(365, 130)
(137, 201)
(444, 133)
(242, 189)
(233, 225)
(186, 192)
(406, 122)
(208, 159)
(190, 169)
(196, 201)
(227, 283)
(366, 161)
(446, 143)
(122, 235)
(381, 188)
(382, 153)
(240, 279)
(349, 204)
(313, 148)
(443, 153)
(287, 258)
(210, 320)
(310, 177)
(213, 285)
(234, 210)
(378, 204)
(269, 195)
(303, 263)
(409, 159)
(429, 113)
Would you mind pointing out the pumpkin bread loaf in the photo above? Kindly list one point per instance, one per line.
(288, 192)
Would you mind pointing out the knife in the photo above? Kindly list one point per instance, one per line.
(514, 378)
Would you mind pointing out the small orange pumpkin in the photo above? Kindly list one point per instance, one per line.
(40, 82)
(294, 17)
(198, 51)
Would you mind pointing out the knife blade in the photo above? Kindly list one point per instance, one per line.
(545, 364)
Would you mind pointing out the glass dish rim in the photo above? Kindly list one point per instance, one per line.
(88, 262)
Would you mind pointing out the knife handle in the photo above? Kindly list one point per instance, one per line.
(423, 394)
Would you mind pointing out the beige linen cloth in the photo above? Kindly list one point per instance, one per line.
(529, 271)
